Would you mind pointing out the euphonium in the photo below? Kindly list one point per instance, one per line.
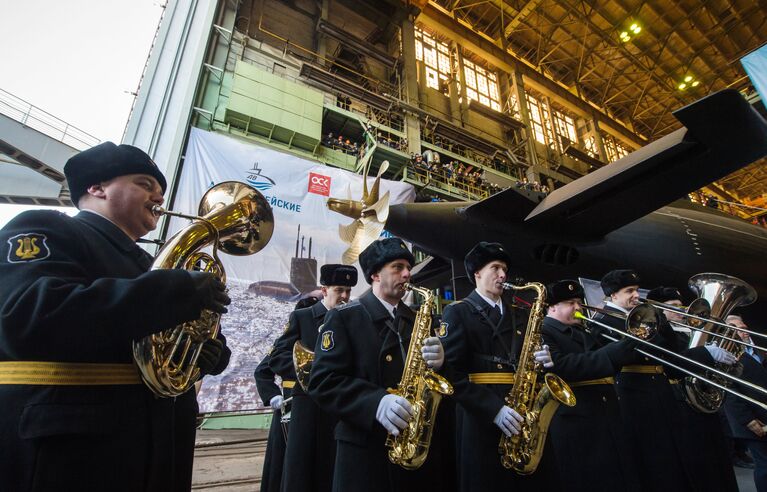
(536, 402)
(423, 389)
(303, 358)
(724, 293)
(233, 217)
(302, 363)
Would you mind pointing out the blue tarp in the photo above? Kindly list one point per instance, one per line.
(755, 64)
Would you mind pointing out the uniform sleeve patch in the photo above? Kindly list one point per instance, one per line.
(328, 342)
(442, 330)
(28, 247)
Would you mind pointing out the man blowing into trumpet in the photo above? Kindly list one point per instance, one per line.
(75, 294)
(360, 353)
(311, 447)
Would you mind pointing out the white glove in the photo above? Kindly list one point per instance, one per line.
(543, 357)
(508, 420)
(393, 413)
(721, 355)
(433, 353)
(276, 402)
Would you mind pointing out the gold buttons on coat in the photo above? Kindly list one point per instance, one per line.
(388, 358)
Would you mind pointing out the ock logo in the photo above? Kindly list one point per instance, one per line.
(319, 184)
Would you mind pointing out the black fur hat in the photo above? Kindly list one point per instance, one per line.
(665, 294)
(381, 252)
(104, 162)
(563, 290)
(482, 254)
(306, 302)
(333, 274)
(615, 280)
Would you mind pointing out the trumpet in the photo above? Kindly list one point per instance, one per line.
(637, 333)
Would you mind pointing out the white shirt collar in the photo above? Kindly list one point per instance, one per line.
(490, 301)
(325, 303)
(615, 306)
(389, 307)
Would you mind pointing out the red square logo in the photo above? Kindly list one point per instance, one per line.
(319, 184)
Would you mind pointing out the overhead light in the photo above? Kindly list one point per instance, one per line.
(632, 31)
(687, 82)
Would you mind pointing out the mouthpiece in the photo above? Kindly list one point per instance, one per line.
(158, 210)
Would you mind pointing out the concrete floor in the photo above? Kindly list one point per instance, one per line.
(231, 461)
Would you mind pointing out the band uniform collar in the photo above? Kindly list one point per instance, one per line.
(107, 228)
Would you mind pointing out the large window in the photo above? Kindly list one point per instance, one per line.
(614, 148)
(481, 85)
(564, 127)
(435, 56)
(540, 120)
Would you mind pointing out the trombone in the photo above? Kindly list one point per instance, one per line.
(642, 323)
(700, 310)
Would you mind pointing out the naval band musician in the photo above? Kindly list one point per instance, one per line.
(76, 292)
(310, 449)
(483, 336)
(647, 400)
(700, 435)
(359, 354)
(588, 440)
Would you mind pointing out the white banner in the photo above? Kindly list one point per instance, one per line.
(265, 287)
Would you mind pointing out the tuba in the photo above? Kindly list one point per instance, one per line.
(723, 293)
(535, 401)
(423, 389)
(232, 217)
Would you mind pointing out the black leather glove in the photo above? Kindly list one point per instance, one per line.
(210, 354)
(211, 291)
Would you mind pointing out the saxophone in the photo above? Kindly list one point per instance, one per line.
(423, 389)
(535, 401)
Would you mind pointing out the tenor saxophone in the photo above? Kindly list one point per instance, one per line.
(423, 389)
(536, 401)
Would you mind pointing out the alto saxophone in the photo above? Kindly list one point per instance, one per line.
(534, 400)
(423, 389)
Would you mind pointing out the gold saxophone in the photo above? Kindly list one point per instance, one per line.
(535, 401)
(232, 217)
(423, 389)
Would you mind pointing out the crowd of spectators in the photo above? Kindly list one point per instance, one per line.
(524, 184)
(454, 173)
(343, 144)
(711, 201)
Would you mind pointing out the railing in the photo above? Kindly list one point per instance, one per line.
(469, 153)
(441, 181)
(44, 122)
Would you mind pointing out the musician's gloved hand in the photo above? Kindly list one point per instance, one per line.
(508, 420)
(276, 402)
(543, 357)
(433, 353)
(210, 354)
(211, 291)
(393, 413)
(721, 355)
